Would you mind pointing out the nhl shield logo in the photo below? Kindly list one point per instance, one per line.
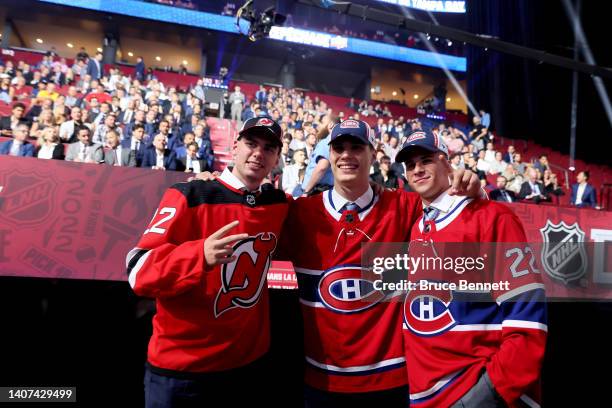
(27, 198)
(564, 256)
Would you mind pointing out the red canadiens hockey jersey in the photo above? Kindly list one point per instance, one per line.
(452, 335)
(352, 333)
(208, 319)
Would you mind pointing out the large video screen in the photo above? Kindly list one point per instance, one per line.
(219, 22)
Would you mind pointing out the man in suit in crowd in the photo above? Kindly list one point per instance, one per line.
(509, 155)
(95, 67)
(583, 194)
(84, 150)
(8, 123)
(140, 69)
(500, 193)
(117, 155)
(158, 157)
(532, 189)
(19, 146)
(190, 162)
(138, 143)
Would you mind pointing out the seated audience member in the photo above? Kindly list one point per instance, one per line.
(45, 120)
(190, 163)
(501, 193)
(497, 165)
(542, 163)
(84, 150)
(69, 129)
(392, 148)
(49, 145)
(19, 146)
(514, 179)
(385, 176)
(456, 162)
(583, 194)
(117, 155)
(158, 157)
(483, 165)
(17, 116)
(293, 174)
(479, 134)
(532, 189)
(490, 153)
(455, 144)
(509, 155)
(551, 184)
(137, 143)
(180, 150)
(299, 140)
(518, 163)
(109, 123)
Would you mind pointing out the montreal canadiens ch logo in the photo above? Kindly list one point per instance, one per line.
(242, 280)
(344, 289)
(427, 313)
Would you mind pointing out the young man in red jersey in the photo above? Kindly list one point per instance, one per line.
(466, 348)
(352, 333)
(211, 328)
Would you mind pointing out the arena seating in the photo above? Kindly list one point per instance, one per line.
(223, 131)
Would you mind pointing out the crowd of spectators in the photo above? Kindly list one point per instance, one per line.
(118, 120)
(101, 118)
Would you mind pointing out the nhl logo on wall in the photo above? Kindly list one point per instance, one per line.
(27, 197)
(564, 255)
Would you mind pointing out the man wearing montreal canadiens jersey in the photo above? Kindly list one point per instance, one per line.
(211, 329)
(471, 349)
(352, 333)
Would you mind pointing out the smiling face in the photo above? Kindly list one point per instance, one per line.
(255, 157)
(428, 173)
(350, 161)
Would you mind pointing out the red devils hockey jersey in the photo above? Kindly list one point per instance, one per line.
(208, 319)
(452, 336)
(352, 334)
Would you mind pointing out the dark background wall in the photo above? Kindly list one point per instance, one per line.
(532, 100)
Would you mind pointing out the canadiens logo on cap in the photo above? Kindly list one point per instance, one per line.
(349, 124)
(265, 122)
(416, 136)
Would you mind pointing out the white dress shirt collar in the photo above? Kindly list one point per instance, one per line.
(363, 201)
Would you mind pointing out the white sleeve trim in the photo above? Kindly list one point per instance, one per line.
(517, 291)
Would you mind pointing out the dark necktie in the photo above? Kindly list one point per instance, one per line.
(429, 214)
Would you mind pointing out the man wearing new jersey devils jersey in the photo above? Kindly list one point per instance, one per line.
(211, 328)
(352, 333)
(469, 348)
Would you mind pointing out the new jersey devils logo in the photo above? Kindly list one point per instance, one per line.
(427, 313)
(265, 122)
(243, 279)
(345, 289)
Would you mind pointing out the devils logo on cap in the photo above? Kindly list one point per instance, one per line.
(265, 122)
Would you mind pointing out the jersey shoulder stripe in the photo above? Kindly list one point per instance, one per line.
(200, 192)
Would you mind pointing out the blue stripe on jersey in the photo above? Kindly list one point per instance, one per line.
(528, 306)
(452, 211)
(308, 287)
